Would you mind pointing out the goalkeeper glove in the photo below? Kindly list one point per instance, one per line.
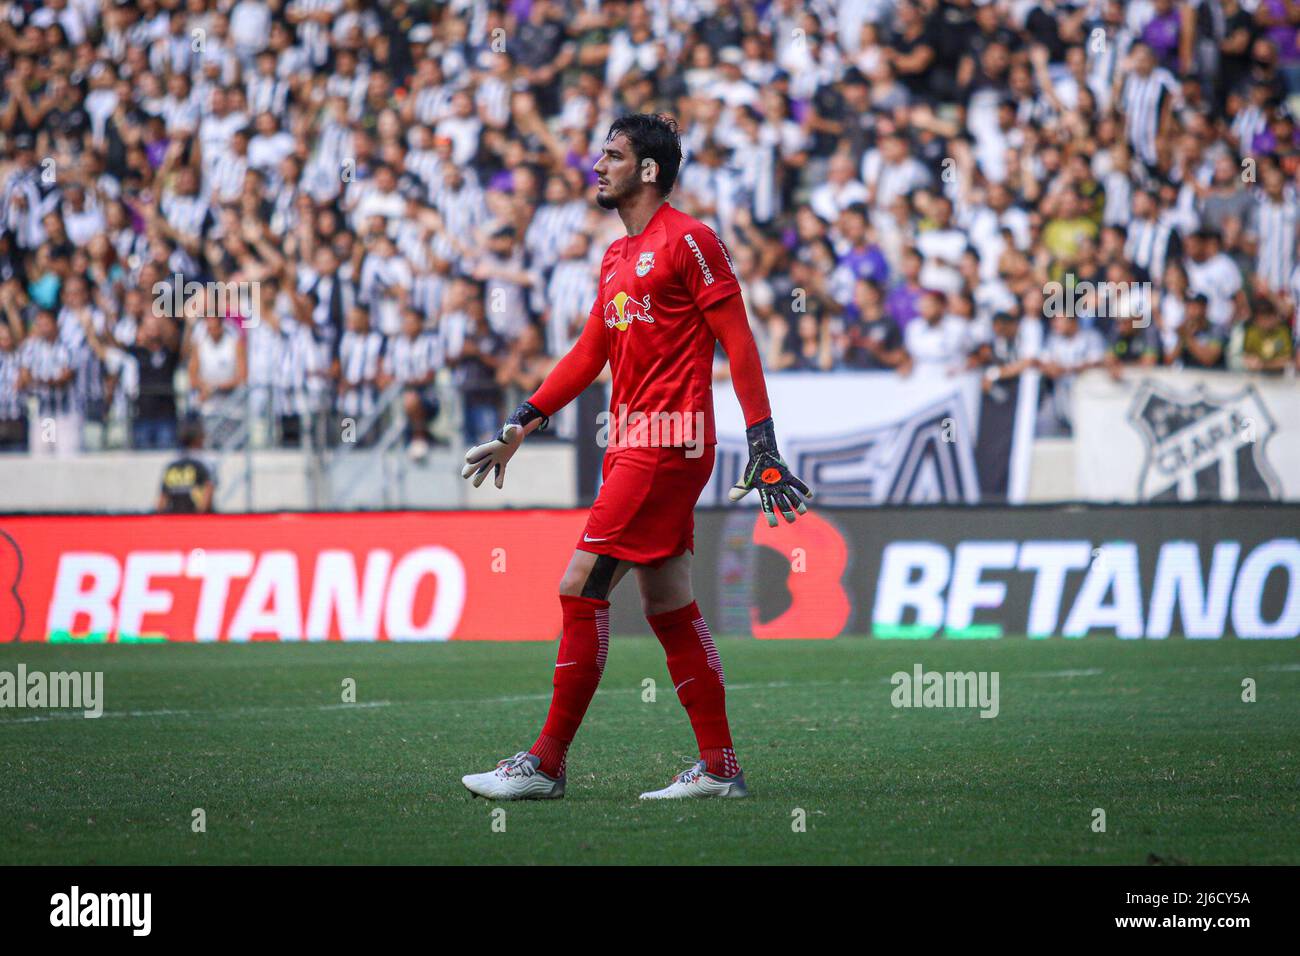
(493, 455)
(766, 471)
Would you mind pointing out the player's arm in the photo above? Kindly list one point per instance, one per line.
(578, 369)
(702, 262)
(777, 488)
(571, 375)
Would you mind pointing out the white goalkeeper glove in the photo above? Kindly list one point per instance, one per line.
(495, 454)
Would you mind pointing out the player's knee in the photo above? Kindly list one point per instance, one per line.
(590, 581)
(572, 582)
(663, 602)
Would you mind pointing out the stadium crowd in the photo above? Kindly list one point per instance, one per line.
(402, 194)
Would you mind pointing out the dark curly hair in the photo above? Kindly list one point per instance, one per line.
(653, 136)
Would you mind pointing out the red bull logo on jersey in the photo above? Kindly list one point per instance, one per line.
(622, 310)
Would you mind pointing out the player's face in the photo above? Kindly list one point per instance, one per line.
(619, 178)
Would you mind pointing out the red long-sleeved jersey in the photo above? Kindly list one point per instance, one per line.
(664, 297)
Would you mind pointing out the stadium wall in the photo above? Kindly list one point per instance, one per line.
(282, 480)
(978, 573)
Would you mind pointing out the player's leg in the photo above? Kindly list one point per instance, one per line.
(696, 672)
(538, 773)
(580, 660)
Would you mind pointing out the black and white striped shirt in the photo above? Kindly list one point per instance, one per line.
(569, 295)
(427, 292)
(463, 210)
(1143, 100)
(293, 368)
(425, 164)
(172, 54)
(408, 236)
(12, 407)
(293, 61)
(1147, 245)
(351, 88)
(756, 163)
(1118, 208)
(284, 207)
(384, 281)
(313, 36)
(433, 104)
(127, 243)
(224, 177)
(334, 146)
(180, 114)
(188, 215)
(359, 357)
(25, 224)
(334, 297)
(552, 229)
(88, 385)
(1275, 226)
(44, 361)
(410, 360)
(1246, 125)
(493, 100)
(267, 94)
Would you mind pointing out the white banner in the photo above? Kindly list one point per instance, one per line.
(862, 438)
(1164, 435)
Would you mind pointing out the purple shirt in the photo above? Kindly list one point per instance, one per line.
(583, 164)
(901, 303)
(156, 152)
(1161, 34)
(1284, 36)
(867, 262)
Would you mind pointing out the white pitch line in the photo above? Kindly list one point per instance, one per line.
(609, 691)
(250, 711)
(236, 712)
(1086, 672)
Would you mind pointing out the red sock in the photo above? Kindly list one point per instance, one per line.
(696, 671)
(578, 666)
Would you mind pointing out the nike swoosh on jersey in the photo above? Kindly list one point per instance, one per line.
(587, 537)
(611, 275)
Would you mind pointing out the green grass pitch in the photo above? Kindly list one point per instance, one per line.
(1154, 733)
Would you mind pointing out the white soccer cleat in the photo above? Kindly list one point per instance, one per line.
(698, 782)
(515, 779)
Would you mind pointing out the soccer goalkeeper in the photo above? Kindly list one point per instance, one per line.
(666, 293)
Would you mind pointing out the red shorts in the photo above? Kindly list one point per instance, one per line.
(645, 511)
